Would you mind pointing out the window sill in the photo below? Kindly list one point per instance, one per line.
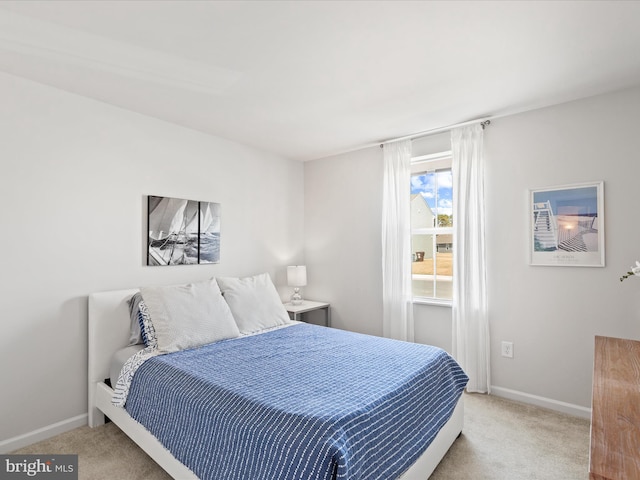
(432, 301)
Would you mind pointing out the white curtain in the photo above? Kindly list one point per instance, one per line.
(397, 303)
(470, 316)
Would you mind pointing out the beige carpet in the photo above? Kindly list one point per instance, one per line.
(501, 440)
(504, 440)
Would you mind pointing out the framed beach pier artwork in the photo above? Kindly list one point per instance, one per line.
(182, 232)
(567, 225)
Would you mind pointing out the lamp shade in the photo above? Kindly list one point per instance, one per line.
(297, 276)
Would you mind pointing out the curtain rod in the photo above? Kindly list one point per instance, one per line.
(482, 121)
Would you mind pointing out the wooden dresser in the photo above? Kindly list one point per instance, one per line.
(615, 410)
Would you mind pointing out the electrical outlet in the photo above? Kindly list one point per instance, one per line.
(507, 349)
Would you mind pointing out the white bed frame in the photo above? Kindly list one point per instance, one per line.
(109, 332)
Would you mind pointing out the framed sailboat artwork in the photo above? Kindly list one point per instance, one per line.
(182, 232)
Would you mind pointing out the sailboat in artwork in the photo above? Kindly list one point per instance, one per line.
(206, 217)
(172, 240)
(166, 218)
(209, 232)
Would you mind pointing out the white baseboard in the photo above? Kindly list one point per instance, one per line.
(558, 406)
(12, 444)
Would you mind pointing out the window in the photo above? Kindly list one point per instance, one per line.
(432, 227)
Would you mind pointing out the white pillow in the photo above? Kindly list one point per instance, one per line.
(188, 316)
(254, 302)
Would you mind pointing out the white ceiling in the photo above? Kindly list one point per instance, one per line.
(308, 79)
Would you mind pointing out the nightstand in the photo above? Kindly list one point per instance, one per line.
(296, 311)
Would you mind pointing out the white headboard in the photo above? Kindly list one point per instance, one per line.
(109, 324)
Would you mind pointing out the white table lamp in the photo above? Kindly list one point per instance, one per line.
(296, 278)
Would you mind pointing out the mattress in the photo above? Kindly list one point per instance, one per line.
(302, 402)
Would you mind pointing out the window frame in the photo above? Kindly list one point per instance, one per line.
(430, 164)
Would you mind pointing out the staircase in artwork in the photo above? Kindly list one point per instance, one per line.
(545, 229)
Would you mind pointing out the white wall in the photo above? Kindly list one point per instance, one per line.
(343, 251)
(74, 176)
(553, 313)
(550, 313)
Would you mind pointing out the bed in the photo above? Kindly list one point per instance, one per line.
(109, 331)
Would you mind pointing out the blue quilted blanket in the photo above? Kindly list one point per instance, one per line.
(302, 402)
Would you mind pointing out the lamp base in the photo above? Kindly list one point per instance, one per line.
(296, 298)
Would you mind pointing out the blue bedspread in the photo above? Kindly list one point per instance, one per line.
(303, 402)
